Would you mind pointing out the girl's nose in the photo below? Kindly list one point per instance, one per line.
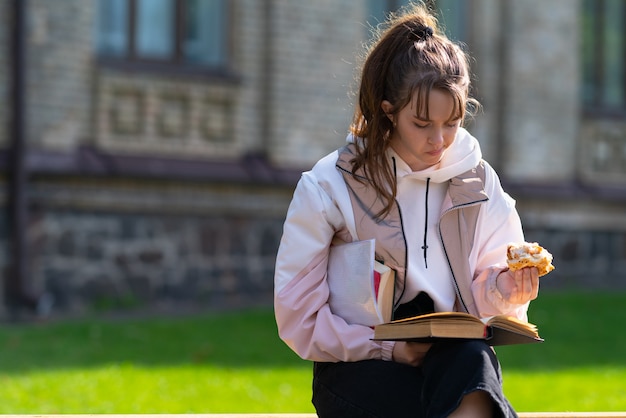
(436, 137)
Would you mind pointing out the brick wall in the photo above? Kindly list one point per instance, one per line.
(59, 62)
(541, 93)
(315, 45)
(4, 69)
(250, 48)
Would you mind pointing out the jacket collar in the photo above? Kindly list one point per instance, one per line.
(464, 189)
(468, 187)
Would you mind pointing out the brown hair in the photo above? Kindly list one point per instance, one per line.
(409, 56)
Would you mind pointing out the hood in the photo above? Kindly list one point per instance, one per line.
(463, 155)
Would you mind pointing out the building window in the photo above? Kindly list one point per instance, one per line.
(604, 57)
(174, 33)
(452, 14)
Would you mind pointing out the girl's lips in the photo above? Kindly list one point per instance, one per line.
(436, 152)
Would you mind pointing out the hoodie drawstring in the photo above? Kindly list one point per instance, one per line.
(425, 246)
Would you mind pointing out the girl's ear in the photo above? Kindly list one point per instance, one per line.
(388, 109)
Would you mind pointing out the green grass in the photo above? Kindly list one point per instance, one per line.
(202, 364)
(234, 362)
(582, 364)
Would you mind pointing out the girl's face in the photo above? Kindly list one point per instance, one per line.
(422, 140)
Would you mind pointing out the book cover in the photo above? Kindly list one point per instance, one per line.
(361, 288)
(497, 330)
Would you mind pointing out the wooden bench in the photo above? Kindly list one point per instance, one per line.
(521, 414)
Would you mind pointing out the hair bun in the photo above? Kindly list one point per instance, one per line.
(421, 33)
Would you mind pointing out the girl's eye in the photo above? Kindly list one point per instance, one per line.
(453, 124)
(421, 126)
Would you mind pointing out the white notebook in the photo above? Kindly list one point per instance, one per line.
(361, 288)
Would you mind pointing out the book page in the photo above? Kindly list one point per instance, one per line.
(514, 324)
(498, 330)
(452, 316)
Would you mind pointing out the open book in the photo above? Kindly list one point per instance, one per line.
(497, 330)
(361, 288)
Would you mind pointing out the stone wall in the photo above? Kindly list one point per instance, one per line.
(588, 259)
(91, 261)
(102, 244)
(98, 244)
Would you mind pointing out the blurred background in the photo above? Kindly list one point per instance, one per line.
(150, 148)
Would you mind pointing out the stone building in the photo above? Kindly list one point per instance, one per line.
(154, 145)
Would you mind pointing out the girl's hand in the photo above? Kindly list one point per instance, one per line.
(519, 286)
(410, 353)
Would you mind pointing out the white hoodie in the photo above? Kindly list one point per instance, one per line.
(321, 210)
(429, 270)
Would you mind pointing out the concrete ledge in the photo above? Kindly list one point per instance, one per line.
(521, 414)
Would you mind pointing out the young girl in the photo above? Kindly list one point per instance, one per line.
(414, 180)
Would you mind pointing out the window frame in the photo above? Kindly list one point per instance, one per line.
(595, 109)
(175, 64)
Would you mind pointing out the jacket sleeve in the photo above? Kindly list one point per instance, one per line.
(305, 322)
(499, 224)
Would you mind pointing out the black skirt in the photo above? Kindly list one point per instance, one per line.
(378, 388)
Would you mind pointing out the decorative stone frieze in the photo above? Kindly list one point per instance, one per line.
(126, 112)
(602, 157)
(159, 116)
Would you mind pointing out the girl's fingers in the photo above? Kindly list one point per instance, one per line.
(535, 283)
